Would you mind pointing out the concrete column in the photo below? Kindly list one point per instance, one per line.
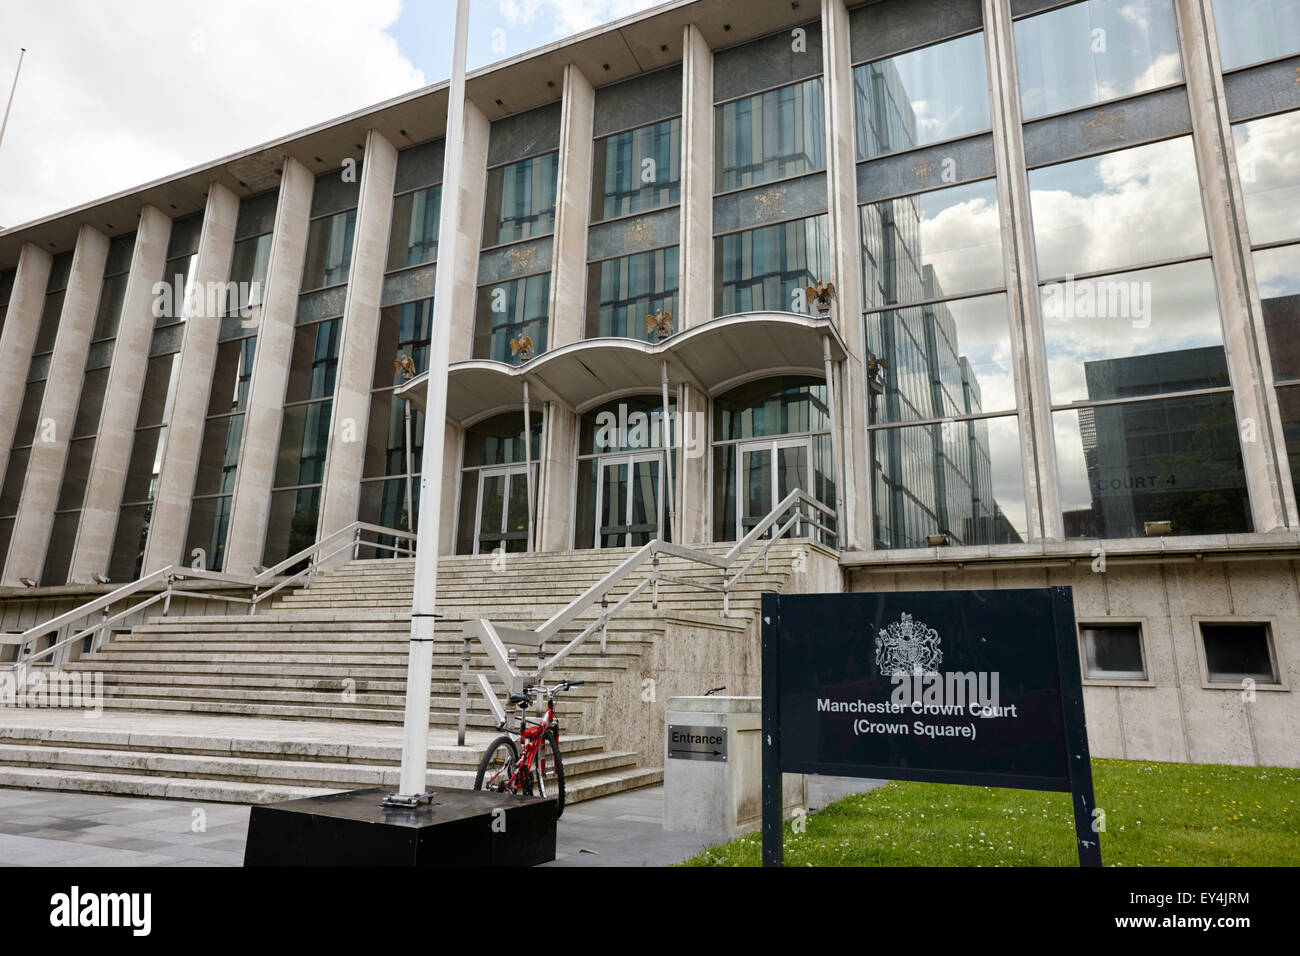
(453, 443)
(473, 196)
(90, 554)
(18, 338)
(184, 435)
(572, 211)
(557, 460)
(251, 504)
(31, 534)
(846, 266)
(695, 285)
(350, 415)
(1263, 447)
(693, 467)
(1028, 351)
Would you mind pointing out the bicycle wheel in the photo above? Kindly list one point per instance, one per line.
(551, 772)
(497, 766)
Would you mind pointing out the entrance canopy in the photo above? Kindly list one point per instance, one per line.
(710, 357)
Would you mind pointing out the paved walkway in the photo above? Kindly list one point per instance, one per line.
(48, 828)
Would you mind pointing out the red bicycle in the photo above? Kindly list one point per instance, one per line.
(533, 765)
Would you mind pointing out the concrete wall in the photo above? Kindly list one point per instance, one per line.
(1173, 716)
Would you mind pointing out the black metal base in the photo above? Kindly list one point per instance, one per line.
(456, 828)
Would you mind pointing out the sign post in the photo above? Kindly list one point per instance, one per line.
(968, 687)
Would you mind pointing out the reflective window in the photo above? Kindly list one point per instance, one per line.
(1134, 333)
(329, 250)
(637, 170)
(511, 310)
(932, 94)
(248, 265)
(761, 269)
(942, 360)
(1113, 652)
(771, 406)
(1125, 208)
(1237, 652)
(959, 478)
(413, 239)
(111, 296)
(1268, 161)
(1277, 272)
(932, 245)
(770, 135)
(493, 511)
(1175, 460)
(622, 292)
(1254, 30)
(521, 200)
(1095, 51)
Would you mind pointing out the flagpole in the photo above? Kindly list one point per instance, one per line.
(419, 668)
(22, 52)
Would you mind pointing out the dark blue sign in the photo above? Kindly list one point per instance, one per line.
(966, 687)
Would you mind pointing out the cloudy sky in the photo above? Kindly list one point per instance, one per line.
(114, 93)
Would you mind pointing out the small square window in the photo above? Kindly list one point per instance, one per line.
(1234, 652)
(1113, 652)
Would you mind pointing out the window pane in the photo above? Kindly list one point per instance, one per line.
(1134, 333)
(1122, 209)
(760, 270)
(1237, 652)
(962, 479)
(248, 265)
(403, 330)
(304, 438)
(500, 440)
(622, 292)
(209, 522)
(521, 200)
(111, 296)
(932, 244)
(637, 170)
(1175, 460)
(950, 358)
(329, 250)
(770, 136)
(1113, 652)
(414, 236)
(1277, 272)
(938, 93)
(314, 361)
(511, 310)
(1268, 159)
(788, 404)
(1254, 30)
(1095, 51)
(292, 524)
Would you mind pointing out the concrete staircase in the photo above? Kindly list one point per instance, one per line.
(333, 655)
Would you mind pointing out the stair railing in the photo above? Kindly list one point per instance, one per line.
(802, 510)
(161, 586)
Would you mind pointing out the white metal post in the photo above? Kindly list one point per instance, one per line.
(22, 52)
(419, 667)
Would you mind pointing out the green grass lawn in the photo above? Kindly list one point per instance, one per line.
(1157, 814)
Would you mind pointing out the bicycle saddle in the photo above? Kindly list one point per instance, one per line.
(520, 700)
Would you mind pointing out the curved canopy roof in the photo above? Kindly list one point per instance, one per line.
(712, 357)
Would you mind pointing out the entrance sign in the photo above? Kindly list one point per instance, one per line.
(968, 687)
(697, 742)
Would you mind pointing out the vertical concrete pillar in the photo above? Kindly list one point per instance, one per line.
(31, 534)
(452, 445)
(90, 554)
(696, 271)
(350, 415)
(1028, 352)
(251, 502)
(184, 435)
(18, 338)
(1263, 447)
(473, 196)
(693, 466)
(557, 461)
(849, 392)
(572, 210)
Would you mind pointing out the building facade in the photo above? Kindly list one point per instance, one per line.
(1064, 239)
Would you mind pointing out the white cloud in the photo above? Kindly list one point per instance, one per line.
(567, 16)
(117, 93)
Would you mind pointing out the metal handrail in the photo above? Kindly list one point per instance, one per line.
(347, 537)
(494, 637)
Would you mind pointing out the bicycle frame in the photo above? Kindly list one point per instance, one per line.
(532, 740)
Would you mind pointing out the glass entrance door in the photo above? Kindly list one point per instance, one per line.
(502, 510)
(629, 500)
(768, 471)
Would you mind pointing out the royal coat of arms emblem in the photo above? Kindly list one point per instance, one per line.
(907, 647)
